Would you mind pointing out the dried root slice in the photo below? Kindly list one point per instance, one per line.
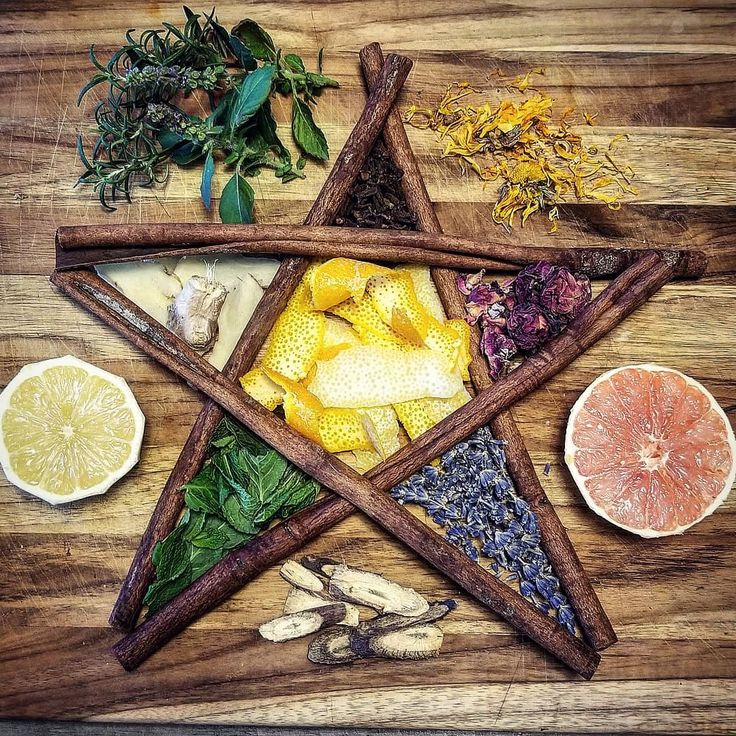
(393, 622)
(369, 589)
(415, 642)
(300, 577)
(332, 647)
(296, 625)
(321, 565)
(300, 600)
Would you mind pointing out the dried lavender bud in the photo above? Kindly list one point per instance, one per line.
(528, 327)
(470, 494)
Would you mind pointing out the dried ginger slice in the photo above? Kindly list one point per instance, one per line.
(373, 375)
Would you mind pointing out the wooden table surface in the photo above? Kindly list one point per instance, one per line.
(662, 71)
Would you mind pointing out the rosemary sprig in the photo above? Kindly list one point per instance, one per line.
(141, 125)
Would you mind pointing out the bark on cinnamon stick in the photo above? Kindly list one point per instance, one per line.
(588, 609)
(329, 202)
(336, 248)
(120, 313)
(595, 262)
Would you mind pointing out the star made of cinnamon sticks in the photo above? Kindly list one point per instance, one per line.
(640, 274)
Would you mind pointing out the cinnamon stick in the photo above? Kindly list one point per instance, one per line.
(595, 262)
(326, 207)
(336, 248)
(120, 313)
(560, 550)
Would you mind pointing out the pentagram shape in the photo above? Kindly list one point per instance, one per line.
(366, 493)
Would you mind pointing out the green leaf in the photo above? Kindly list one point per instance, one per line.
(301, 162)
(201, 493)
(256, 39)
(238, 516)
(318, 81)
(203, 559)
(162, 591)
(236, 202)
(242, 53)
(294, 63)
(307, 135)
(184, 151)
(171, 555)
(253, 92)
(265, 473)
(205, 187)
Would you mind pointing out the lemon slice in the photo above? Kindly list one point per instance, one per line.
(68, 429)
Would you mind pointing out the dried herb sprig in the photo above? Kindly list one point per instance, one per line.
(470, 493)
(141, 126)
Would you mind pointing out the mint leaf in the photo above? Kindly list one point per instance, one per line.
(253, 92)
(256, 39)
(307, 135)
(236, 202)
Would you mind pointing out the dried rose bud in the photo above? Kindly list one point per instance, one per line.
(530, 282)
(498, 349)
(565, 294)
(486, 294)
(528, 327)
(467, 281)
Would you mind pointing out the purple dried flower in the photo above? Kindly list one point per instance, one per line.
(466, 281)
(528, 327)
(530, 282)
(565, 294)
(498, 348)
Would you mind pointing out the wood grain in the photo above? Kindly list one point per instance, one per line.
(663, 71)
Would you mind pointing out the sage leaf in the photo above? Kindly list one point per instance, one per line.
(236, 202)
(205, 187)
(253, 92)
(256, 39)
(307, 135)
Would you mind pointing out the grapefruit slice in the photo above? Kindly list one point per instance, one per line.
(650, 450)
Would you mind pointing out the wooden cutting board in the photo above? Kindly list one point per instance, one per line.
(666, 77)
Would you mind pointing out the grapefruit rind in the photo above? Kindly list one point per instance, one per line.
(580, 480)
